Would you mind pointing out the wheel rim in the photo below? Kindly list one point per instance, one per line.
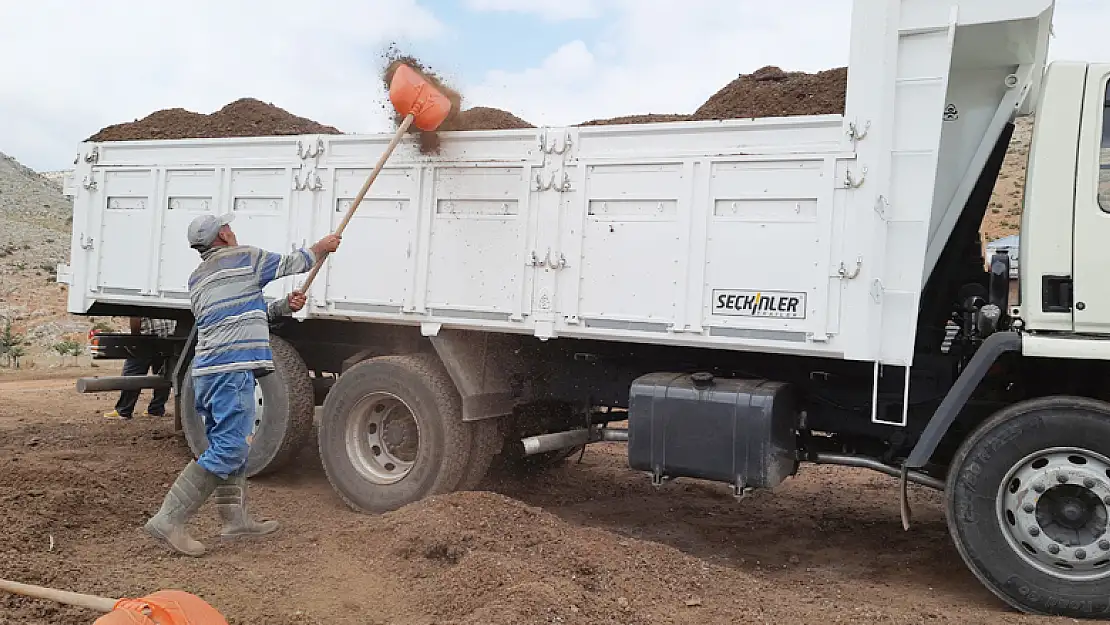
(1053, 510)
(259, 406)
(382, 438)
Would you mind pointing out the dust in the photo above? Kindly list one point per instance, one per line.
(429, 140)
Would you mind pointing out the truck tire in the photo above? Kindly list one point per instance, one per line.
(285, 412)
(1028, 497)
(392, 433)
(486, 442)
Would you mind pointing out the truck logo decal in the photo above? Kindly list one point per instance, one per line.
(951, 113)
(767, 304)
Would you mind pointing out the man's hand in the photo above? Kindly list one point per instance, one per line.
(296, 300)
(326, 245)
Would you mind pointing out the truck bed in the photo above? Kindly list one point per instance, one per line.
(801, 235)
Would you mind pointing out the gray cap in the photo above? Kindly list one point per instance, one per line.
(204, 229)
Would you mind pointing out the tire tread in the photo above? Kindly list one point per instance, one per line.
(970, 444)
(427, 371)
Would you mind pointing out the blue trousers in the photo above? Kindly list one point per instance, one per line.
(226, 402)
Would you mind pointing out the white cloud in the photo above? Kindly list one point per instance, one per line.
(70, 71)
(657, 58)
(553, 10)
(654, 58)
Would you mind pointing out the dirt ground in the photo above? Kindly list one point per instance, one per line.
(586, 543)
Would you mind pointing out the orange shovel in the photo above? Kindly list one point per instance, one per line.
(165, 607)
(422, 104)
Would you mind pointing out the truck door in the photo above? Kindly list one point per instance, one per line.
(1091, 302)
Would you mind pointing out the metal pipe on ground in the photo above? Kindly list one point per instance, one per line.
(870, 463)
(544, 443)
(121, 383)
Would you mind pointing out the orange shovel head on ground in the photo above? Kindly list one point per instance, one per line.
(412, 95)
(165, 607)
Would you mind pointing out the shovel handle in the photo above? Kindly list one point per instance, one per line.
(361, 194)
(91, 602)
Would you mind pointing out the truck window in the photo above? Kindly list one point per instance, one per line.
(1104, 156)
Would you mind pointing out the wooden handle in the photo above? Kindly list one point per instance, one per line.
(361, 194)
(91, 602)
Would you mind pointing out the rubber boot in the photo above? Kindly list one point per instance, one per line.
(193, 486)
(231, 502)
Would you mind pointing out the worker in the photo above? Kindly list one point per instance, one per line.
(232, 350)
(141, 365)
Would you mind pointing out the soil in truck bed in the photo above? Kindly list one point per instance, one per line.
(766, 92)
(246, 117)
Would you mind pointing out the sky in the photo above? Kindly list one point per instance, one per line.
(70, 71)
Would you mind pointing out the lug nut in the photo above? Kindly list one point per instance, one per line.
(1034, 531)
(1054, 549)
(1106, 500)
(1080, 554)
(1104, 544)
(1062, 478)
(1028, 508)
(1040, 489)
(1089, 483)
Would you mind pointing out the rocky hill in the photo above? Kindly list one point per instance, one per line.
(34, 238)
(1003, 216)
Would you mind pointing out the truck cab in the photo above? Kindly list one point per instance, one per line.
(1066, 218)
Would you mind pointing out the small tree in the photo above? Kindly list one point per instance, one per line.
(100, 326)
(14, 354)
(11, 344)
(69, 347)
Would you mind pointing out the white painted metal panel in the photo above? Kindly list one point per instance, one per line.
(1092, 210)
(383, 227)
(478, 232)
(631, 229)
(1046, 232)
(127, 215)
(189, 193)
(764, 267)
(260, 198)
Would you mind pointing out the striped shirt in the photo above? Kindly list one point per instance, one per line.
(233, 332)
(157, 327)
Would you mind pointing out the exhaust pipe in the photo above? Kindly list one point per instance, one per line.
(121, 383)
(565, 440)
(869, 463)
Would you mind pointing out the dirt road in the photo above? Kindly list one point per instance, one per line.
(588, 543)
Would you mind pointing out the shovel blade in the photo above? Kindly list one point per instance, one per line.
(411, 94)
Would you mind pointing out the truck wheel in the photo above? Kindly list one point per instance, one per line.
(486, 442)
(1028, 504)
(283, 418)
(392, 433)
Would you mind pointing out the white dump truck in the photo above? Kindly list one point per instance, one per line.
(748, 295)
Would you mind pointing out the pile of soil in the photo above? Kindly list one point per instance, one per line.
(767, 92)
(245, 117)
(486, 118)
(490, 559)
(771, 92)
(650, 118)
